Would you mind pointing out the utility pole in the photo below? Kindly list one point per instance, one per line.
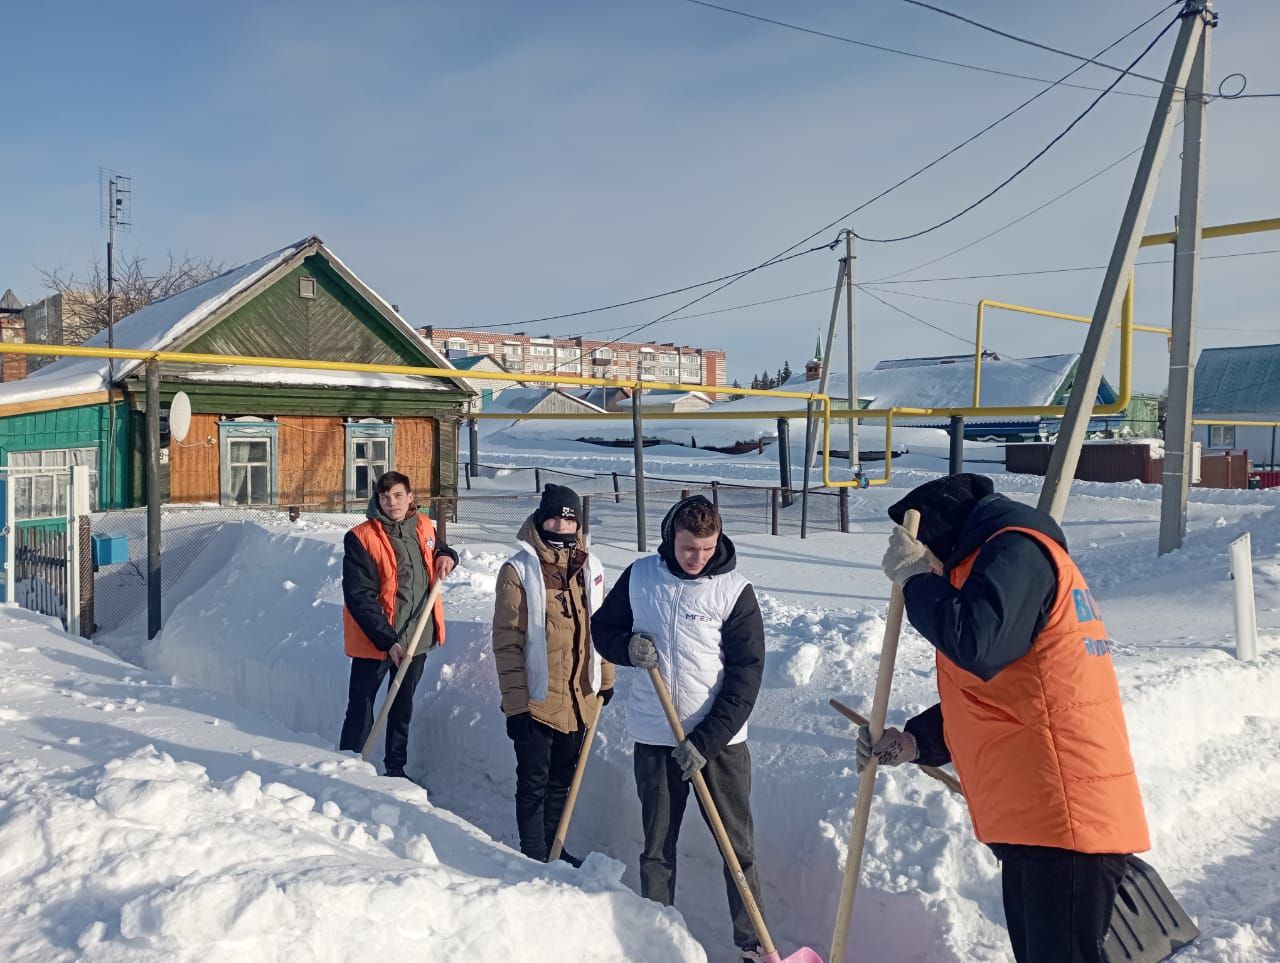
(154, 598)
(1186, 294)
(637, 429)
(1196, 15)
(810, 438)
(855, 458)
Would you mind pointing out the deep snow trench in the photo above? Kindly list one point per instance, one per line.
(257, 617)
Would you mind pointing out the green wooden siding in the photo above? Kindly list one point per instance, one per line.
(301, 400)
(335, 325)
(87, 426)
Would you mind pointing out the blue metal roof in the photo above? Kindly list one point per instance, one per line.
(1243, 380)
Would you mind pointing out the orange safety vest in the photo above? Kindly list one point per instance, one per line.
(1041, 749)
(375, 541)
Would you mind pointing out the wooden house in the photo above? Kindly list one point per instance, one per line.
(258, 435)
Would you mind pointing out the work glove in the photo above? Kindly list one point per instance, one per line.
(519, 726)
(688, 758)
(641, 651)
(905, 557)
(893, 748)
(606, 695)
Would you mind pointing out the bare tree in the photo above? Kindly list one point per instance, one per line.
(84, 297)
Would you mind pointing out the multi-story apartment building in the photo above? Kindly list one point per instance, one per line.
(586, 357)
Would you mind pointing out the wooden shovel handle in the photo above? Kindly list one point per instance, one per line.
(867, 780)
(562, 830)
(944, 777)
(418, 629)
(713, 817)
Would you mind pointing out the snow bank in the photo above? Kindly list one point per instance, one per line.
(1200, 722)
(145, 822)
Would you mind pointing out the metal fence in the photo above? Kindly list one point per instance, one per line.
(119, 598)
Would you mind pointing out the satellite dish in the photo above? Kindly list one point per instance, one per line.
(179, 416)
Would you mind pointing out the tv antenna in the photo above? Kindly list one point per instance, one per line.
(115, 197)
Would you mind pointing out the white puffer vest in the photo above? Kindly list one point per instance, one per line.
(529, 570)
(684, 616)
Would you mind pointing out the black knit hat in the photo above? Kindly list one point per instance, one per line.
(559, 502)
(944, 506)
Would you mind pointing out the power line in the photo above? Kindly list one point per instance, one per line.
(786, 254)
(917, 318)
(904, 53)
(702, 297)
(650, 297)
(1067, 270)
(1123, 71)
(1017, 220)
(1040, 153)
(882, 283)
(912, 294)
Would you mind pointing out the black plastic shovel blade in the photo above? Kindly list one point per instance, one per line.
(1147, 924)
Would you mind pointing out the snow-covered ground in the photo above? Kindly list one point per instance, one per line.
(192, 809)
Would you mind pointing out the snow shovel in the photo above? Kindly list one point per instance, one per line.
(562, 830)
(867, 780)
(1147, 924)
(771, 955)
(418, 629)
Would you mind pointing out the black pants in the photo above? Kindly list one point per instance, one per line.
(1058, 902)
(366, 680)
(545, 760)
(663, 795)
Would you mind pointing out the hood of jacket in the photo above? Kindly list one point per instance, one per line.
(531, 533)
(724, 560)
(375, 513)
(995, 512)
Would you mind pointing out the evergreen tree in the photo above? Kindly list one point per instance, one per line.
(786, 372)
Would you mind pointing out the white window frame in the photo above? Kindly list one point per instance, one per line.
(249, 429)
(29, 478)
(1222, 436)
(371, 430)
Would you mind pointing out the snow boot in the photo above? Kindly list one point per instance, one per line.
(752, 954)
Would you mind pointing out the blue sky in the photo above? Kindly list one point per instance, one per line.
(481, 162)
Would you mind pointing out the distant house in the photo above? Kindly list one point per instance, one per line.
(947, 382)
(610, 399)
(259, 435)
(1239, 384)
(486, 389)
(531, 401)
(667, 401)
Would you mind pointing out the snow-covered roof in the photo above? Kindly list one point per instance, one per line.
(663, 395)
(164, 324)
(948, 382)
(1238, 381)
(524, 400)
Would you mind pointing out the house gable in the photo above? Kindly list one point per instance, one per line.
(336, 324)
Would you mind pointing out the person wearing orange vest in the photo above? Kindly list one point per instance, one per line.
(390, 563)
(1029, 711)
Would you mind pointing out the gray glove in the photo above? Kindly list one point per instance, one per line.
(689, 759)
(641, 651)
(892, 749)
(906, 556)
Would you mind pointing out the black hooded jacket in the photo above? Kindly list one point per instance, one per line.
(995, 617)
(741, 641)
